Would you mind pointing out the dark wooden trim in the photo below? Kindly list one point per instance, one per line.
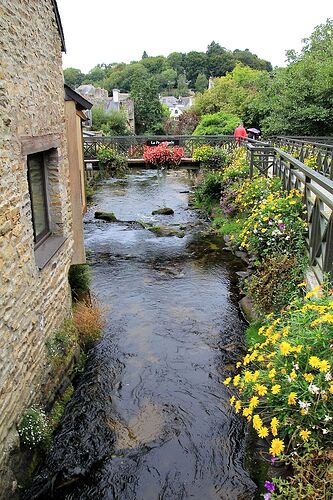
(31, 145)
(71, 95)
(59, 25)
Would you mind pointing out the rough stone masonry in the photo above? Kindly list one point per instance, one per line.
(33, 301)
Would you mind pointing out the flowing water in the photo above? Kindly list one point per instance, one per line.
(150, 418)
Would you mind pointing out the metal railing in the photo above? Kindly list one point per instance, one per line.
(317, 193)
(132, 146)
(313, 151)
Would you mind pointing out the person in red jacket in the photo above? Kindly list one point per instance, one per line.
(240, 133)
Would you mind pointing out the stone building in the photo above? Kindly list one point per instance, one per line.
(38, 237)
(120, 101)
(176, 106)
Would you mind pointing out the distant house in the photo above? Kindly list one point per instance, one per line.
(100, 98)
(41, 203)
(176, 106)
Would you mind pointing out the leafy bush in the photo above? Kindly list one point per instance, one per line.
(210, 188)
(113, 162)
(275, 283)
(285, 385)
(89, 322)
(58, 409)
(276, 226)
(211, 157)
(227, 226)
(33, 428)
(79, 278)
(61, 346)
(217, 124)
(110, 122)
(163, 155)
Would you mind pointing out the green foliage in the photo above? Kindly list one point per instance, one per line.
(59, 409)
(111, 162)
(312, 476)
(210, 188)
(235, 93)
(61, 346)
(182, 86)
(299, 98)
(217, 124)
(111, 122)
(79, 277)
(211, 157)
(33, 428)
(231, 227)
(201, 83)
(275, 283)
(73, 77)
(147, 107)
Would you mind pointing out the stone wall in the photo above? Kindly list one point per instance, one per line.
(33, 301)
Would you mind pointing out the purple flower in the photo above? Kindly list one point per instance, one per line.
(267, 496)
(269, 486)
(281, 226)
(273, 460)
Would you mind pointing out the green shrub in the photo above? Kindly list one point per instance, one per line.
(58, 409)
(221, 123)
(61, 346)
(226, 226)
(112, 161)
(33, 428)
(79, 278)
(211, 157)
(210, 188)
(275, 283)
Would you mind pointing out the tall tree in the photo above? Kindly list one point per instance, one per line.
(201, 82)
(219, 60)
(182, 86)
(147, 107)
(144, 55)
(195, 63)
(73, 77)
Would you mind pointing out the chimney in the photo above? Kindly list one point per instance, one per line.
(115, 95)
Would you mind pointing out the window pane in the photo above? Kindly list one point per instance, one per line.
(38, 196)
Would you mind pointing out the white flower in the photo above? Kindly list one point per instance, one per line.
(313, 389)
(325, 431)
(328, 418)
(304, 404)
(296, 366)
(328, 376)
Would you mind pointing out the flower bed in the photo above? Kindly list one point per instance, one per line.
(163, 155)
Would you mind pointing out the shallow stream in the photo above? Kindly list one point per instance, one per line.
(150, 418)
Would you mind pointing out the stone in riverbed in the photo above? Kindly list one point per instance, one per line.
(107, 216)
(163, 211)
(165, 231)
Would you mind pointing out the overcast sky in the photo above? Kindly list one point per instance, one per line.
(106, 31)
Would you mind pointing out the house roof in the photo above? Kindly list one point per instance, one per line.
(59, 25)
(71, 95)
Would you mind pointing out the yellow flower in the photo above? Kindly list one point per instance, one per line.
(254, 401)
(256, 422)
(314, 361)
(312, 292)
(275, 422)
(292, 398)
(272, 373)
(324, 366)
(304, 411)
(261, 389)
(305, 434)
(238, 364)
(247, 412)
(277, 447)
(227, 381)
(285, 348)
(236, 380)
(247, 376)
(255, 375)
(293, 375)
(276, 389)
(308, 377)
(298, 348)
(238, 406)
(302, 284)
(263, 432)
(331, 389)
(232, 400)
